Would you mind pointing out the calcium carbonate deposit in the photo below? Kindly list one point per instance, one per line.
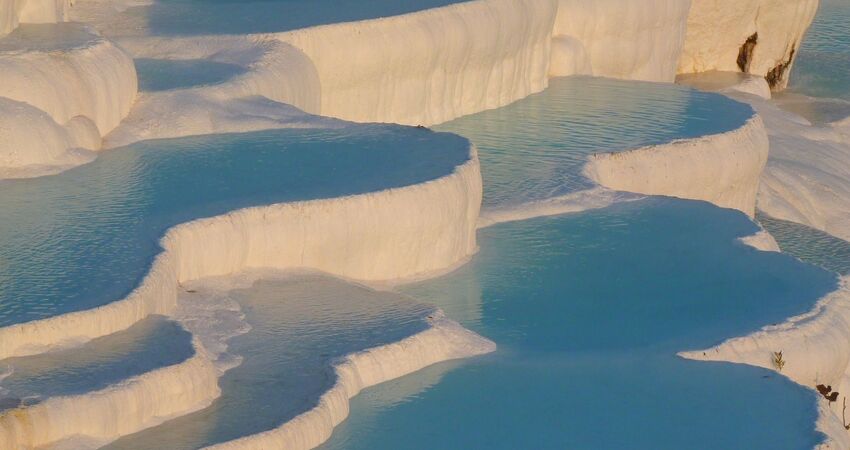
(271, 224)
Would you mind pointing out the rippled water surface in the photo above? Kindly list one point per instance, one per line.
(810, 245)
(86, 237)
(822, 68)
(300, 325)
(589, 311)
(536, 148)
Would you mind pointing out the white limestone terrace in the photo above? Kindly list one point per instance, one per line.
(814, 349)
(807, 176)
(63, 88)
(342, 337)
(366, 236)
(723, 169)
(422, 68)
(806, 181)
(91, 419)
(433, 65)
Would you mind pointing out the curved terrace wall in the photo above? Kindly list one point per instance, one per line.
(723, 169)
(385, 235)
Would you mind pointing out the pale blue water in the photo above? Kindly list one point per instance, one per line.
(87, 237)
(165, 74)
(536, 148)
(150, 344)
(822, 68)
(200, 17)
(300, 326)
(588, 311)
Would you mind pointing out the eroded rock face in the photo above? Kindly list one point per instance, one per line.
(745, 55)
(776, 77)
(752, 36)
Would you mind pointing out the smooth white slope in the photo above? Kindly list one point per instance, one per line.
(807, 178)
(31, 143)
(63, 87)
(15, 12)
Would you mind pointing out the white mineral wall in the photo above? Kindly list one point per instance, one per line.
(29, 137)
(431, 66)
(636, 40)
(807, 176)
(396, 233)
(718, 28)
(569, 57)
(723, 169)
(421, 68)
(43, 11)
(105, 415)
(14, 12)
(445, 340)
(815, 347)
(74, 73)
(388, 235)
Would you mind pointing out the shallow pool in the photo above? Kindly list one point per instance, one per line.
(589, 311)
(87, 237)
(148, 345)
(166, 74)
(536, 148)
(202, 17)
(300, 326)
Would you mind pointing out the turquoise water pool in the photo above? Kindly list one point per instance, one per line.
(536, 148)
(589, 311)
(87, 237)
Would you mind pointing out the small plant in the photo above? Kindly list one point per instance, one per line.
(778, 362)
(827, 392)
